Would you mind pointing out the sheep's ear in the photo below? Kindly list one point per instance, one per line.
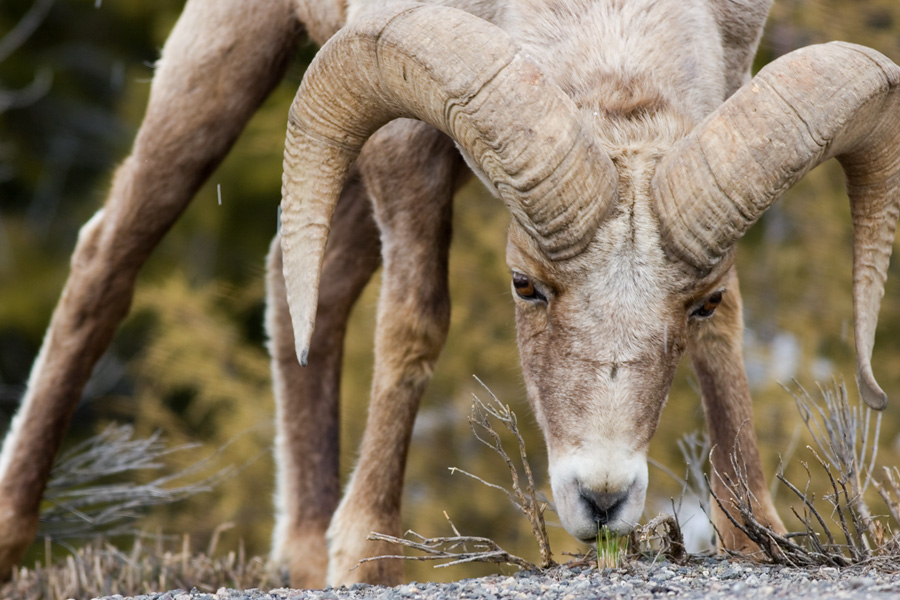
(836, 100)
(465, 78)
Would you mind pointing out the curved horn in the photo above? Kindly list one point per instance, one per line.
(836, 100)
(466, 78)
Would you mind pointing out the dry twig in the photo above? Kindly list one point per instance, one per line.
(842, 434)
(846, 449)
(525, 500)
(445, 548)
(669, 542)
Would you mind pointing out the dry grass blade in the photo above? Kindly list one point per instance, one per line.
(100, 569)
(81, 501)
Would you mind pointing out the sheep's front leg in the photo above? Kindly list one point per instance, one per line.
(307, 399)
(716, 352)
(219, 63)
(409, 170)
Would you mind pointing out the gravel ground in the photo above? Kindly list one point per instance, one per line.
(711, 578)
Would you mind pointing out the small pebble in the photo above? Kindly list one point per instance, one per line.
(704, 579)
(860, 582)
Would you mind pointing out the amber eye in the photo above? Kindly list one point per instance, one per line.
(525, 287)
(709, 306)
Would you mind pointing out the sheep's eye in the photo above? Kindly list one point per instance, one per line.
(525, 287)
(709, 306)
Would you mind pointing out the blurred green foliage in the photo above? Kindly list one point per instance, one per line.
(190, 360)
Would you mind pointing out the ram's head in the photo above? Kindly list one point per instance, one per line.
(615, 252)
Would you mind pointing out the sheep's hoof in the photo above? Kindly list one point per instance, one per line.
(347, 545)
(305, 555)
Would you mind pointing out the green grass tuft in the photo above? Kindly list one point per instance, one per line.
(611, 548)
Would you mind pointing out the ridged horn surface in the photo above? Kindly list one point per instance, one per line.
(463, 76)
(836, 100)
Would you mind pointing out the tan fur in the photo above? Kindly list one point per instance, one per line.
(614, 61)
(413, 316)
(200, 100)
(716, 353)
(307, 419)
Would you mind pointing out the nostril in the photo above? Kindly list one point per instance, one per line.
(604, 506)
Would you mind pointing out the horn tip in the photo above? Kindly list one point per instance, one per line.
(871, 392)
(303, 330)
(304, 357)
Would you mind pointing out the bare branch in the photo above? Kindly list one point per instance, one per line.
(671, 539)
(845, 442)
(527, 500)
(81, 502)
(441, 548)
(486, 550)
(512, 497)
(807, 500)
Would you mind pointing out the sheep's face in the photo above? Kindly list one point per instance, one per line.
(599, 337)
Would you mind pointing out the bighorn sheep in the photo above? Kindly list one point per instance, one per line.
(602, 127)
